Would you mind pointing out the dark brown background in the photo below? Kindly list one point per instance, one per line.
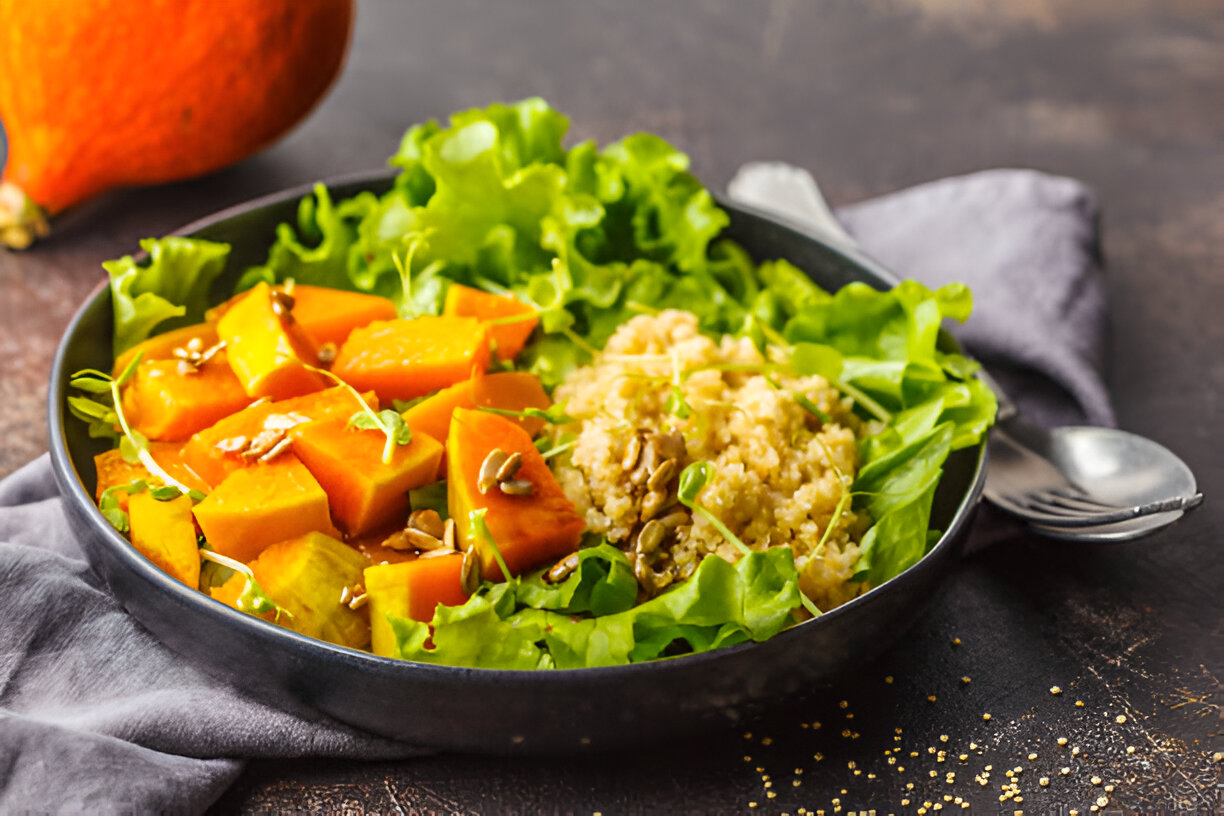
(1127, 95)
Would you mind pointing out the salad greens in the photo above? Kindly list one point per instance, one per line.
(591, 237)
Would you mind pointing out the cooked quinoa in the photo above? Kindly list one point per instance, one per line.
(774, 483)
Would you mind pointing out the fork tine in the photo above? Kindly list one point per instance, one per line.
(1070, 520)
(1075, 494)
(1055, 501)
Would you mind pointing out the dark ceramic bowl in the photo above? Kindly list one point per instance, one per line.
(484, 710)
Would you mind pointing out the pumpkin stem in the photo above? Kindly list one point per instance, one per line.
(21, 220)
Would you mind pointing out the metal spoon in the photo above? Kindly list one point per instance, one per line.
(1104, 465)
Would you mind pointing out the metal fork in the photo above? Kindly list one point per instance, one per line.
(1044, 477)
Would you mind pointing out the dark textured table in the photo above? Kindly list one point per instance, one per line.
(872, 97)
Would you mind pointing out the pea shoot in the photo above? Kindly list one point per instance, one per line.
(389, 422)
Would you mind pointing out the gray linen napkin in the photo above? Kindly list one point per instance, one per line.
(96, 716)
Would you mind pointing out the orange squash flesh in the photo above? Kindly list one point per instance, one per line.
(530, 530)
(164, 533)
(258, 506)
(327, 315)
(509, 334)
(269, 351)
(162, 346)
(364, 493)
(305, 576)
(169, 400)
(509, 390)
(405, 359)
(410, 589)
(113, 470)
(213, 452)
(214, 81)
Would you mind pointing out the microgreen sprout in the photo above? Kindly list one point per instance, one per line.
(692, 480)
(554, 414)
(367, 418)
(252, 599)
(480, 535)
(561, 445)
(132, 445)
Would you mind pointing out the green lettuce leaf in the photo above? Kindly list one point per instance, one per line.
(170, 290)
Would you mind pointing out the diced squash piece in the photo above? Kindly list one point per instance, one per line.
(113, 469)
(165, 533)
(170, 400)
(258, 506)
(267, 348)
(162, 346)
(511, 320)
(529, 530)
(306, 576)
(410, 589)
(405, 359)
(328, 315)
(509, 390)
(215, 452)
(364, 492)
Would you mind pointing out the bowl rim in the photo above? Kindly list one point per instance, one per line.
(73, 489)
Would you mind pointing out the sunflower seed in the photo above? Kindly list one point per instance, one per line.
(648, 579)
(517, 487)
(195, 344)
(469, 572)
(562, 569)
(662, 475)
(509, 467)
(276, 450)
(487, 479)
(421, 540)
(346, 595)
(360, 601)
(632, 451)
(231, 445)
(652, 503)
(437, 553)
(449, 533)
(397, 541)
(672, 520)
(650, 537)
(427, 521)
(282, 302)
(263, 442)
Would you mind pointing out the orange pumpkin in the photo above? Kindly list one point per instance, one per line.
(99, 94)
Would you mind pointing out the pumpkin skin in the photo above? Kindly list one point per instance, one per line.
(100, 94)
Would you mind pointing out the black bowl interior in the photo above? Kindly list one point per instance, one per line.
(506, 711)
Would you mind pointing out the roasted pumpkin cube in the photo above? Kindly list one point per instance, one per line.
(509, 390)
(511, 321)
(306, 576)
(268, 350)
(162, 346)
(165, 533)
(169, 399)
(255, 507)
(405, 359)
(364, 492)
(217, 451)
(410, 589)
(529, 530)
